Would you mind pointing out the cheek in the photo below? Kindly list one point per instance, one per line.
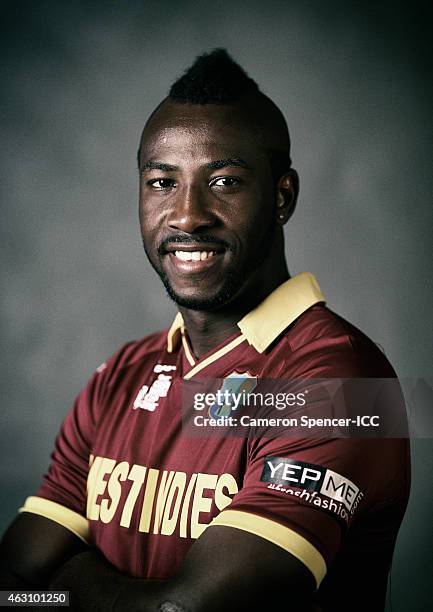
(148, 233)
(255, 216)
(150, 218)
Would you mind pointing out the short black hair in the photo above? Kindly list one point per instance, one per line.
(213, 78)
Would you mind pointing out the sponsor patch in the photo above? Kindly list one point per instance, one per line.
(148, 398)
(283, 473)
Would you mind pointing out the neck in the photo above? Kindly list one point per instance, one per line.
(208, 329)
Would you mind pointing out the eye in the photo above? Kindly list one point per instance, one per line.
(161, 184)
(225, 181)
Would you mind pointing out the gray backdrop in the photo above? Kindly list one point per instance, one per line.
(80, 78)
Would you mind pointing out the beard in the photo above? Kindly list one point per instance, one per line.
(235, 275)
(219, 298)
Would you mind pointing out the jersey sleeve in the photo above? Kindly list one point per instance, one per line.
(305, 495)
(62, 495)
(331, 500)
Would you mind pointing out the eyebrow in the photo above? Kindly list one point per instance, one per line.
(237, 162)
(152, 165)
(216, 164)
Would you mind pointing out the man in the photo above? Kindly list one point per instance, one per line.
(134, 514)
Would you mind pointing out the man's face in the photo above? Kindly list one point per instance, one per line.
(207, 210)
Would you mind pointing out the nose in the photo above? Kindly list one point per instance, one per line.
(190, 211)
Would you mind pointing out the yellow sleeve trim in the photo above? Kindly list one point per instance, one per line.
(282, 536)
(59, 514)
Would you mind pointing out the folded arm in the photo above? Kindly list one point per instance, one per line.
(32, 549)
(226, 569)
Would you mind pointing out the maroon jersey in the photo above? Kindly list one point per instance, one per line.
(125, 477)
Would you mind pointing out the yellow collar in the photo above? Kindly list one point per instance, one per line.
(265, 322)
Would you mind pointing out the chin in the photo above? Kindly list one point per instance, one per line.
(197, 302)
(200, 301)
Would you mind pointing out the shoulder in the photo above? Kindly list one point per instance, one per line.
(133, 352)
(331, 346)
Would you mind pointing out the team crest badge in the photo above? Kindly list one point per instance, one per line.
(232, 394)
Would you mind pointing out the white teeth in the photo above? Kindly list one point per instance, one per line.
(193, 255)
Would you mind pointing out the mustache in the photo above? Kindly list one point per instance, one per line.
(192, 239)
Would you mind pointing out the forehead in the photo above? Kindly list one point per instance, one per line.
(197, 130)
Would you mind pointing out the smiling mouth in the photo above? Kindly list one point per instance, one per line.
(194, 255)
(194, 258)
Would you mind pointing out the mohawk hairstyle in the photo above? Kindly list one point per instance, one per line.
(214, 78)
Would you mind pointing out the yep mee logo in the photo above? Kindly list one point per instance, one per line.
(283, 471)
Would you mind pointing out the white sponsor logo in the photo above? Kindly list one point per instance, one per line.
(281, 471)
(339, 488)
(148, 398)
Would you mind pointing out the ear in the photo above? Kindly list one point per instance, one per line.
(287, 195)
